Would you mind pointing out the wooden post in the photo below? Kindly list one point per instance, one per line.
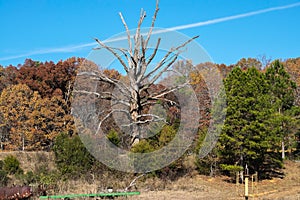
(252, 186)
(283, 150)
(237, 183)
(246, 187)
(242, 176)
(246, 182)
(256, 183)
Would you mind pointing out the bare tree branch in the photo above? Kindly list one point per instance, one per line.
(129, 58)
(154, 118)
(110, 96)
(154, 52)
(132, 183)
(160, 95)
(113, 52)
(157, 76)
(152, 25)
(136, 62)
(152, 101)
(102, 77)
(109, 114)
(169, 90)
(137, 42)
(162, 62)
(128, 34)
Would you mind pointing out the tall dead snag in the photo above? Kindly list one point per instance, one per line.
(140, 76)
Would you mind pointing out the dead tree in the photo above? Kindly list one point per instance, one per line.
(140, 77)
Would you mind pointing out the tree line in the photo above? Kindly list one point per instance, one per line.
(262, 113)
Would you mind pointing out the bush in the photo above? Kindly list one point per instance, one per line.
(113, 137)
(11, 165)
(142, 147)
(49, 178)
(3, 175)
(71, 156)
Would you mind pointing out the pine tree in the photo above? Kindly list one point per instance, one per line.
(282, 89)
(246, 136)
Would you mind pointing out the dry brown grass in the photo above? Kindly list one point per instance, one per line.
(203, 187)
(31, 161)
(190, 188)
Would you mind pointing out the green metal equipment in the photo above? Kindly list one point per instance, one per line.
(70, 196)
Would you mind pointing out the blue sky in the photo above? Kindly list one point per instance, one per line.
(229, 30)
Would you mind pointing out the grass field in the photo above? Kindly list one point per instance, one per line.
(203, 187)
(191, 187)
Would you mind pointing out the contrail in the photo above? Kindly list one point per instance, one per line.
(175, 28)
(229, 18)
(52, 50)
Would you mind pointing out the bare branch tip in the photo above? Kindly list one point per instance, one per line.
(157, 5)
(120, 13)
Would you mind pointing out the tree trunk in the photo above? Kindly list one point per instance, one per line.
(23, 142)
(135, 111)
(283, 150)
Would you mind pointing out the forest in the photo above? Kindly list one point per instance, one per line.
(261, 128)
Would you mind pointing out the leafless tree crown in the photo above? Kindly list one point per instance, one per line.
(135, 61)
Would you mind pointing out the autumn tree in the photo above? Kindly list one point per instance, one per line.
(4, 131)
(248, 63)
(31, 122)
(47, 120)
(48, 78)
(8, 76)
(16, 104)
(224, 69)
(292, 66)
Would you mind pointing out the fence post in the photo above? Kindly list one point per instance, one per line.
(256, 182)
(246, 183)
(237, 183)
(246, 187)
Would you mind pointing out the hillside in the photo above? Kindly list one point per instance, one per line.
(31, 161)
(192, 187)
(253, 109)
(204, 187)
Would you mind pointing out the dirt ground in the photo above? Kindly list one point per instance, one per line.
(202, 187)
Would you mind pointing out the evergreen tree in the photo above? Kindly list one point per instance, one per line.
(71, 156)
(282, 89)
(246, 136)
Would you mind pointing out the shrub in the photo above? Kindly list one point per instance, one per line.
(3, 175)
(12, 165)
(28, 178)
(71, 156)
(113, 137)
(142, 147)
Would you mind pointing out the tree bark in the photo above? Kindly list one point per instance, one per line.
(135, 112)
